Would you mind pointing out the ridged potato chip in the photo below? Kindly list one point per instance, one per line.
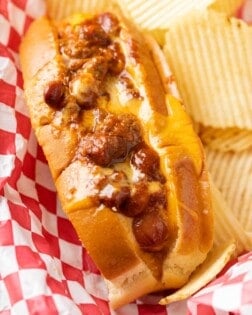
(156, 16)
(226, 6)
(59, 9)
(215, 262)
(152, 14)
(227, 226)
(210, 57)
(232, 174)
(226, 140)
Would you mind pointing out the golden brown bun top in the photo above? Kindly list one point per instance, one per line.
(45, 48)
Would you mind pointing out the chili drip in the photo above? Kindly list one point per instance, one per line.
(91, 53)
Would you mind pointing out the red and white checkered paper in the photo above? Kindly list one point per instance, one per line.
(43, 267)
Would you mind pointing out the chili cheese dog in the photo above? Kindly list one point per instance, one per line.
(128, 167)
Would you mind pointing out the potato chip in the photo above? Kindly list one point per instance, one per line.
(152, 14)
(226, 140)
(227, 226)
(227, 6)
(215, 262)
(210, 57)
(232, 174)
(158, 34)
(59, 9)
(156, 16)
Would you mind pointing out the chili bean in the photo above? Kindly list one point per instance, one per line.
(94, 34)
(104, 150)
(125, 125)
(54, 93)
(136, 202)
(150, 231)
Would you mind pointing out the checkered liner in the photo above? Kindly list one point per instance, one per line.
(43, 267)
(229, 294)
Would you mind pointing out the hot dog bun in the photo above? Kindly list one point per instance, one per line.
(128, 167)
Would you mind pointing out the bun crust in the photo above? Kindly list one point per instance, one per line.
(179, 197)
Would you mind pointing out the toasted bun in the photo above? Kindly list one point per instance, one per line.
(129, 269)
